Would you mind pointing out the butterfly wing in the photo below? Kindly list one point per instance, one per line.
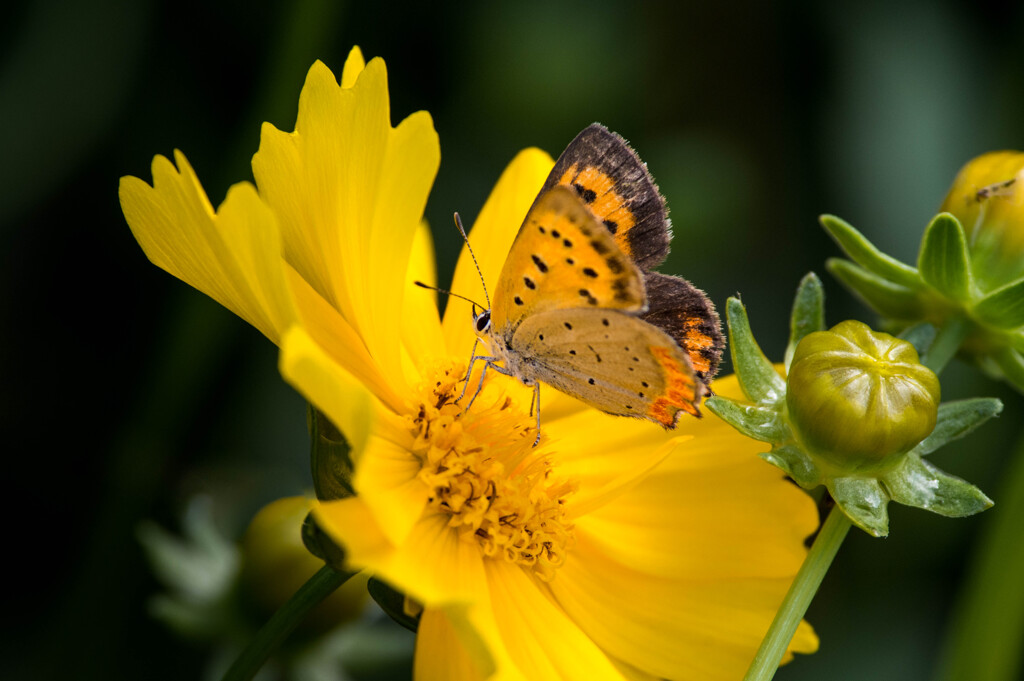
(612, 360)
(686, 314)
(617, 188)
(562, 258)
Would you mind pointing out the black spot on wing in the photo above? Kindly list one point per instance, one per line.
(588, 195)
(539, 262)
(530, 284)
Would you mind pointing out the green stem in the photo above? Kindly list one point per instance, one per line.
(276, 630)
(801, 591)
(986, 636)
(947, 341)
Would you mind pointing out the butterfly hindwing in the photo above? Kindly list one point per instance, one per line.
(617, 188)
(686, 314)
(563, 258)
(610, 359)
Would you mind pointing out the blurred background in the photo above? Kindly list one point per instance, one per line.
(124, 394)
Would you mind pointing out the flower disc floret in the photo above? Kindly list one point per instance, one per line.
(857, 397)
(485, 474)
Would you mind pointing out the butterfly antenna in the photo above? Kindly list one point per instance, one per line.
(449, 293)
(458, 223)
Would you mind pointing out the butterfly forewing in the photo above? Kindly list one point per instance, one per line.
(611, 360)
(563, 258)
(617, 188)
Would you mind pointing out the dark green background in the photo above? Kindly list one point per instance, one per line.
(124, 392)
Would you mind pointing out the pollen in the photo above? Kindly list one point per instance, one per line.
(497, 489)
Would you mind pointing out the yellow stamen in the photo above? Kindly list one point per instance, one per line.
(485, 474)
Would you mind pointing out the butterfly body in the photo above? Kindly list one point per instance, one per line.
(569, 309)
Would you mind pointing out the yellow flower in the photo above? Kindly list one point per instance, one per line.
(987, 197)
(612, 550)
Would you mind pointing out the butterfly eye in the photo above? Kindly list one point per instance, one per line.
(482, 321)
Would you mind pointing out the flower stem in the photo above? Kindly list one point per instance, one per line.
(947, 342)
(283, 622)
(799, 596)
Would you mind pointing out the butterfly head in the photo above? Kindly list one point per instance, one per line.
(482, 323)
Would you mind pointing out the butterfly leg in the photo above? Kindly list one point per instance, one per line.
(489, 364)
(536, 401)
(469, 372)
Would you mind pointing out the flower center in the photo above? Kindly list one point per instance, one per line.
(485, 474)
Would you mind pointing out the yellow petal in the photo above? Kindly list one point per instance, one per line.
(233, 255)
(435, 566)
(386, 479)
(342, 345)
(446, 651)
(349, 191)
(421, 325)
(674, 629)
(492, 235)
(351, 524)
(725, 514)
(606, 454)
(354, 65)
(540, 639)
(334, 391)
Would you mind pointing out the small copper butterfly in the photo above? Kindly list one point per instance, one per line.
(576, 305)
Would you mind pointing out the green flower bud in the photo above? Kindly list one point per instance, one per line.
(858, 398)
(856, 413)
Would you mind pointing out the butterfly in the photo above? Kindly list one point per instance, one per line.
(577, 306)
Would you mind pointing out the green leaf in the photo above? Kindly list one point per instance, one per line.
(393, 603)
(865, 254)
(808, 313)
(956, 419)
(329, 458)
(796, 463)
(759, 423)
(864, 502)
(1004, 307)
(1011, 364)
(888, 299)
(757, 376)
(918, 483)
(920, 336)
(944, 261)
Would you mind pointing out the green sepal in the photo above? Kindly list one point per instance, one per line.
(1004, 307)
(865, 254)
(918, 483)
(808, 313)
(796, 465)
(321, 545)
(393, 603)
(1011, 365)
(888, 299)
(328, 457)
(757, 376)
(759, 423)
(920, 336)
(956, 419)
(944, 261)
(864, 501)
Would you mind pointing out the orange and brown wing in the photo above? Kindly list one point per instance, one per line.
(686, 314)
(617, 188)
(563, 258)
